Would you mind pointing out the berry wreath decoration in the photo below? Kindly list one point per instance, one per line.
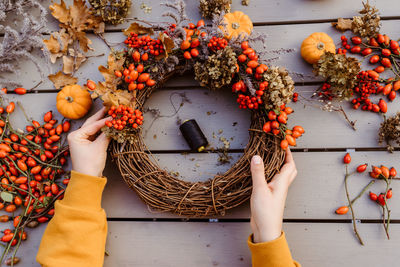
(221, 57)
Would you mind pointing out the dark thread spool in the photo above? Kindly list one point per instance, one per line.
(193, 135)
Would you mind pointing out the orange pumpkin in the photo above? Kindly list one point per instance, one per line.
(236, 23)
(315, 45)
(73, 102)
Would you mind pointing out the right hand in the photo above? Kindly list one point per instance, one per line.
(267, 201)
(89, 156)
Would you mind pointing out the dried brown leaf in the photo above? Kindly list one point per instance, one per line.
(68, 65)
(168, 44)
(111, 81)
(80, 16)
(118, 97)
(52, 44)
(138, 29)
(343, 24)
(60, 12)
(60, 79)
(84, 41)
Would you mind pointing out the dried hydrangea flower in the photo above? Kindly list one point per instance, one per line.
(209, 8)
(280, 87)
(368, 25)
(111, 11)
(390, 131)
(218, 69)
(340, 72)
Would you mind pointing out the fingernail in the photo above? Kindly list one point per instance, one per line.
(256, 159)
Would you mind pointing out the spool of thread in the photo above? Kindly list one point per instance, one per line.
(193, 135)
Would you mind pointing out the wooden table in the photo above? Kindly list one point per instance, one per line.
(317, 237)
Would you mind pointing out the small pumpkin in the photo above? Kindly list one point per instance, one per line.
(315, 45)
(73, 102)
(237, 23)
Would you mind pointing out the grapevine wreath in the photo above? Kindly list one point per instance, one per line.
(221, 57)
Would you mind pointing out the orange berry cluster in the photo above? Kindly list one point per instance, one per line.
(250, 59)
(217, 43)
(277, 124)
(251, 102)
(145, 43)
(190, 44)
(135, 77)
(124, 116)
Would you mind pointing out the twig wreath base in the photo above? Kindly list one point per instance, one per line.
(163, 192)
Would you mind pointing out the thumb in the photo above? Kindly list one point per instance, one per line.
(102, 140)
(257, 172)
(93, 127)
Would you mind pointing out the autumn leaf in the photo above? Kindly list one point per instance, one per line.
(343, 24)
(84, 42)
(68, 65)
(168, 44)
(111, 81)
(118, 97)
(138, 29)
(60, 79)
(53, 46)
(60, 12)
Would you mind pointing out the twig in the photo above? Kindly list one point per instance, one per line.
(351, 207)
(351, 123)
(386, 207)
(363, 191)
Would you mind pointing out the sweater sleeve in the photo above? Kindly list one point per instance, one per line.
(76, 235)
(275, 253)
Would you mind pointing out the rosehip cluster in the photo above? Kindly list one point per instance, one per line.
(295, 97)
(250, 102)
(135, 77)
(277, 124)
(217, 43)
(145, 43)
(367, 85)
(124, 116)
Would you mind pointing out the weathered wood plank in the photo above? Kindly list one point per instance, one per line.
(208, 244)
(315, 194)
(224, 244)
(260, 11)
(280, 38)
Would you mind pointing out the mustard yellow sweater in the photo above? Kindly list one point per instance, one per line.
(76, 236)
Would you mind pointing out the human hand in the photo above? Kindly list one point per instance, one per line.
(268, 199)
(89, 155)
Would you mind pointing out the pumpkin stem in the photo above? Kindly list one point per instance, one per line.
(70, 99)
(320, 46)
(235, 25)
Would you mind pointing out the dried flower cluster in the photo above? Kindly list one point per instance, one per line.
(111, 11)
(19, 42)
(209, 8)
(218, 69)
(390, 131)
(368, 24)
(340, 72)
(280, 88)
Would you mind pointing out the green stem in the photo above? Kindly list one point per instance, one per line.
(351, 207)
(386, 207)
(363, 191)
(19, 189)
